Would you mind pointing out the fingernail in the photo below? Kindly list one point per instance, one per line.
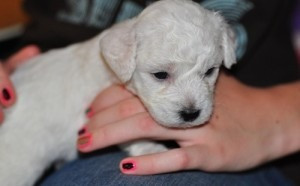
(84, 141)
(6, 95)
(82, 131)
(128, 166)
(89, 112)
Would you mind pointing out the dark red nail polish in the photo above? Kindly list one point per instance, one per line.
(82, 131)
(84, 141)
(6, 94)
(128, 166)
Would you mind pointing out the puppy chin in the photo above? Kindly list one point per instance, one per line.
(180, 124)
(176, 122)
(172, 120)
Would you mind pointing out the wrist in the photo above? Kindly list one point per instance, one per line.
(286, 100)
(272, 115)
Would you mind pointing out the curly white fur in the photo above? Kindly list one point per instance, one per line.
(174, 36)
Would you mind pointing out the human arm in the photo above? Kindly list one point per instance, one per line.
(249, 126)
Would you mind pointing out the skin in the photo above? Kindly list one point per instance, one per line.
(7, 67)
(249, 127)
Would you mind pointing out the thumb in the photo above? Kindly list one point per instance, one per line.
(21, 56)
(185, 158)
(7, 91)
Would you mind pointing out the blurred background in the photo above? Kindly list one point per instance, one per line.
(296, 28)
(12, 22)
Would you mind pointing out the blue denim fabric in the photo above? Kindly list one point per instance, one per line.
(103, 170)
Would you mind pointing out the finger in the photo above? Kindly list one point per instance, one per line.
(186, 158)
(7, 94)
(107, 98)
(24, 54)
(117, 112)
(132, 128)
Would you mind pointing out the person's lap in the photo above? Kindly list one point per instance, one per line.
(103, 169)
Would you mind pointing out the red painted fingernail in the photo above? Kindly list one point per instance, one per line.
(89, 112)
(82, 131)
(128, 166)
(84, 141)
(6, 95)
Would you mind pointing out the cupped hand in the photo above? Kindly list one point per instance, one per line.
(239, 136)
(7, 94)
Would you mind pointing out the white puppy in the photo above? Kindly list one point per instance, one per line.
(169, 56)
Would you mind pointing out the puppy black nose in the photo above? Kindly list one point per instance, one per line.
(189, 115)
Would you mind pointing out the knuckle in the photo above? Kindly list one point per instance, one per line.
(221, 151)
(220, 160)
(224, 155)
(128, 108)
(102, 135)
(111, 89)
(182, 159)
(146, 123)
(121, 91)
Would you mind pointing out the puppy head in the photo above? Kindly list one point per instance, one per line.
(170, 57)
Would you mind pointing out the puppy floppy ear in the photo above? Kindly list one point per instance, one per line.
(118, 48)
(229, 46)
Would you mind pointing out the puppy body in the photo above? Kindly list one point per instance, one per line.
(55, 89)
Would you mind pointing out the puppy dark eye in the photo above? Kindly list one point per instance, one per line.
(210, 71)
(161, 75)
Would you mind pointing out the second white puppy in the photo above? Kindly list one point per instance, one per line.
(169, 56)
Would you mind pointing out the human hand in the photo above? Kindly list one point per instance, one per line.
(244, 131)
(8, 95)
